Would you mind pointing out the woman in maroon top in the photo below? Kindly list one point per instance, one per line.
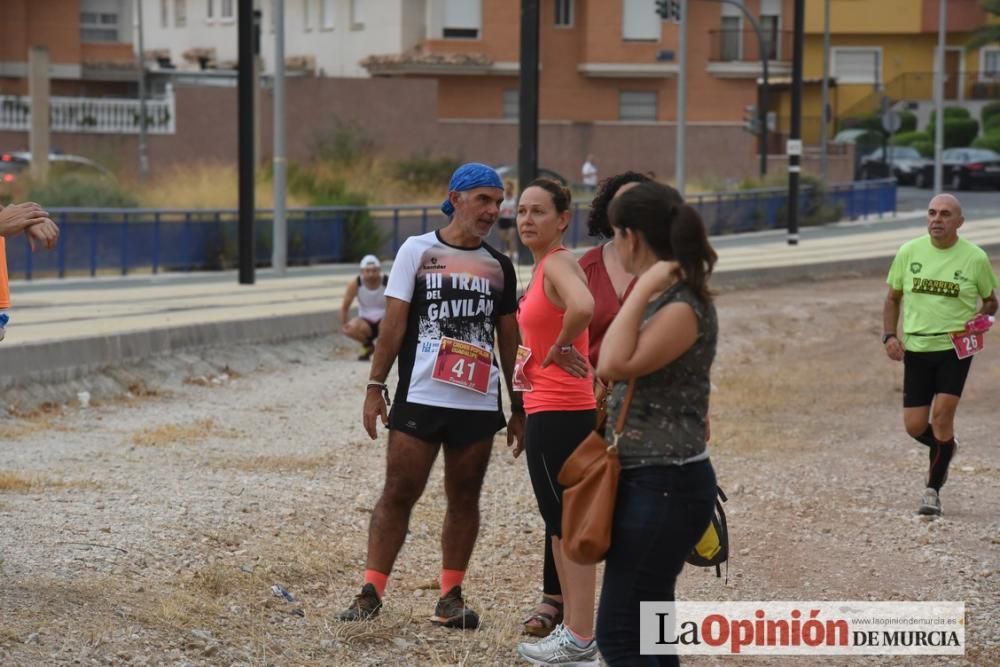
(609, 283)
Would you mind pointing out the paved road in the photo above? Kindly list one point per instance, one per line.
(974, 202)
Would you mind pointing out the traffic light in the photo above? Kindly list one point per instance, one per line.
(751, 119)
(669, 10)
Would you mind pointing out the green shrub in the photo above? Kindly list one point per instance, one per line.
(990, 141)
(872, 123)
(909, 122)
(960, 132)
(908, 138)
(426, 170)
(342, 143)
(924, 146)
(82, 191)
(361, 233)
(991, 124)
(949, 112)
(991, 110)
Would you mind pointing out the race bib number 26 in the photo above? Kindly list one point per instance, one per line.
(463, 365)
(967, 344)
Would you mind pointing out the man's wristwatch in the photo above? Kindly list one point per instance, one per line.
(887, 336)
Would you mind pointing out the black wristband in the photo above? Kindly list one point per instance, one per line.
(887, 336)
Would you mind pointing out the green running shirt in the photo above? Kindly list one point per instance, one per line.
(941, 290)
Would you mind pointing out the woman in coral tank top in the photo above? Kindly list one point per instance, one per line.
(558, 398)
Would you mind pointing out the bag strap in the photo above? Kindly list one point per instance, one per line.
(623, 414)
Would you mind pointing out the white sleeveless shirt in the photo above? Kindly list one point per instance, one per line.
(371, 302)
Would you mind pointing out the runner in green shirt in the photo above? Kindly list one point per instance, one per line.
(943, 279)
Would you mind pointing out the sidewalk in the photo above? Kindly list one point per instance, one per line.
(61, 329)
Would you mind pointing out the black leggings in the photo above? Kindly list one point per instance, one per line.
(549, 439)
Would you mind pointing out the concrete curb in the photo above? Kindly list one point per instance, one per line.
(65, 360)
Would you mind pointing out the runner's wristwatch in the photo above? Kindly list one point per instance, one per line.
(887, 336)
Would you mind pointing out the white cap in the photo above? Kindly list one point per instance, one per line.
(370, 261)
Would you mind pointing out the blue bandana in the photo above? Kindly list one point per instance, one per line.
(468, 177)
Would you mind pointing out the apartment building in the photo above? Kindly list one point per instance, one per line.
(89, 44)
(601, 60)
(322, 37)
(886, 48)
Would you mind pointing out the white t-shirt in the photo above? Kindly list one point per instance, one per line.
(455, 292)
(508, 207)
(589, 172)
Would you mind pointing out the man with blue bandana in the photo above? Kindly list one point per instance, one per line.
(449, 296)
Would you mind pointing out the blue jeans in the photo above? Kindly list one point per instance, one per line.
(660, 514)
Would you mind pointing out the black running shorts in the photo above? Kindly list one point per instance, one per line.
(454, 428)
(929, 373)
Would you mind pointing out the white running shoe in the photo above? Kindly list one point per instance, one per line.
(559, 648)
(930, 505)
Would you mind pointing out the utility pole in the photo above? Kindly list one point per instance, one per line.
(39, 87)
(143, 121)
(279, 256)
(825, 112)
(527, 150)
(680, 174)
(762, 92)
(246, 140)
(795, 139)
(939, 95)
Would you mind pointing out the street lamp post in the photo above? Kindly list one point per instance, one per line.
(762, 109)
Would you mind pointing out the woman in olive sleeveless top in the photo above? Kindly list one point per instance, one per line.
(665, 336)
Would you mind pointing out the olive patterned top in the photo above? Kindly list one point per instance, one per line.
(666, 422)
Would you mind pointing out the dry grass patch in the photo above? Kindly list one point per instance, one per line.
(27, 422)
(284, 463)
(174, 434)
(17, 482)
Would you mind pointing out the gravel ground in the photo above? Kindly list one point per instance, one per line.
(150, 527)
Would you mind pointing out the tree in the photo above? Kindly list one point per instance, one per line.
(990, 33)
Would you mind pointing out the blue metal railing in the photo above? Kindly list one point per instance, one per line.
(120, 241)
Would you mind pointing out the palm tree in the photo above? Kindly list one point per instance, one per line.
(989, 33)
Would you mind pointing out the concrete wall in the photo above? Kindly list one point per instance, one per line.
(401, 117)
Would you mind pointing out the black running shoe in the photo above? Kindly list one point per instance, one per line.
(365, 606)
(366, 353)
(451, 612)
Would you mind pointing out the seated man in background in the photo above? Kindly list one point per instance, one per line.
(369, 289)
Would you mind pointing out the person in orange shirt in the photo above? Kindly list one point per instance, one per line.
(559, 401)
(34, 222)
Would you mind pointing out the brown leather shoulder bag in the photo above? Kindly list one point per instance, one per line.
(590, 482)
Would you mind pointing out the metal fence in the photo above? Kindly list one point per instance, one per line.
(122, 241)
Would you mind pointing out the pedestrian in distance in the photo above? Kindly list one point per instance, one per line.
(942, 282)
(505, 225)
(30, 219)
(588, 174)
(559, 401)
(609, 284)
(449, 296)
(664, 337)
(369, 289)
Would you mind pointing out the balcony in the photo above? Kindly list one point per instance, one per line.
(420, 62)
(736, 54)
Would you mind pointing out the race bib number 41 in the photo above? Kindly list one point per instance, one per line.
(464, 365)
(967, 344)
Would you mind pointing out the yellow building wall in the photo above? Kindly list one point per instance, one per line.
(865, 16)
